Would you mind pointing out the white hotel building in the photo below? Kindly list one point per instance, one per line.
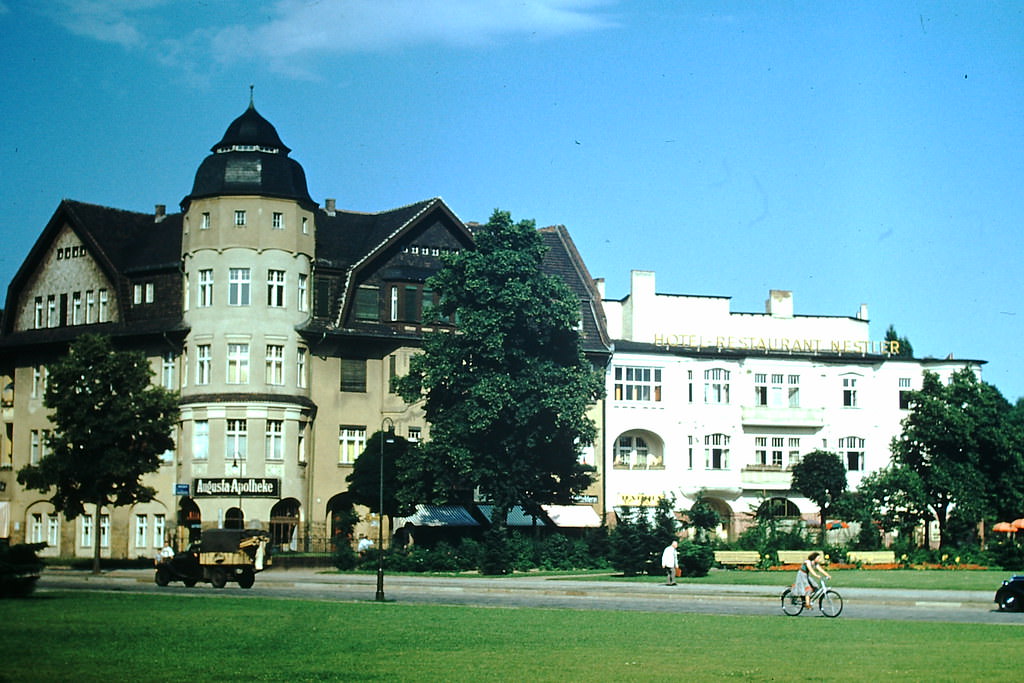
(703, 398)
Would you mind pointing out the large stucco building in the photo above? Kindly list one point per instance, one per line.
(701, 398)
(280, 322)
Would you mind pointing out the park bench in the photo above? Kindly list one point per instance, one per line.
(871, 556)
(793, 556)
(737, 558)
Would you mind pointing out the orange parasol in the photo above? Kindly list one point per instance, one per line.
(1004, 526)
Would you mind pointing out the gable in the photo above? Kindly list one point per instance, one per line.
(63, 267)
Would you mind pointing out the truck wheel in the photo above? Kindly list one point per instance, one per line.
(218, 577)
(163, 576)
(246, 578)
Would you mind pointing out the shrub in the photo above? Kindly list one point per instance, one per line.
(470, 554)
(345, 558)
(557, 552)
(498, 556)
(695, 559)
(1007, 555)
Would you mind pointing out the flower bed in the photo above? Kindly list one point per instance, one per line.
(887, 565)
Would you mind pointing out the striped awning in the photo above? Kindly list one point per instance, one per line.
(438, 515)
(516, 516)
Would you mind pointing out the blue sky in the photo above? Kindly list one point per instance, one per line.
(851, 152)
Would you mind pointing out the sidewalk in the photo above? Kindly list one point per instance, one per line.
(549, 585)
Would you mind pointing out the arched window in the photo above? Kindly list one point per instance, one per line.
(190, 517)
(234, 518)
(777, 507)
(633, 452)
(284, 519)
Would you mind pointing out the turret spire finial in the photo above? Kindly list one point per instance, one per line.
(252, 104)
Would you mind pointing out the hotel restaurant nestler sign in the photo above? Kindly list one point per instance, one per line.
(250, 487)
(779, 344)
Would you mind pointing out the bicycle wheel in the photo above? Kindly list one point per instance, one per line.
(831, 603)
(792, 604)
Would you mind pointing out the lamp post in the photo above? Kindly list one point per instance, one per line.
(389, 438)
(238, 466)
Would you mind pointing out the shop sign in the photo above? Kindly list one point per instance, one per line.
(250, 487)
(638, 500)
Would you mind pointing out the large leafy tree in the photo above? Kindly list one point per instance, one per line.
(506, 395)
(365, 479)
(110, 426)
(961, 442)
(821, 478)
(893, 496)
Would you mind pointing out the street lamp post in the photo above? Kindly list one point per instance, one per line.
(238, 483)
(389, 438)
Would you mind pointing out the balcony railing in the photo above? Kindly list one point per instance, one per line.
(766, 476)
(783, 417)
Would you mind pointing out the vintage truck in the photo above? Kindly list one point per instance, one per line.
(221, 555)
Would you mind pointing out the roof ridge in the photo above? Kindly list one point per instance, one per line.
(385, 211)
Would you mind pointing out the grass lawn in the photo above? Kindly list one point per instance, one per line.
(80, 636)
(926, 579)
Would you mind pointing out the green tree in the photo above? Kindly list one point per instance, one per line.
(703, 517)
(905, 350)
(666, 526)
(110, 426)
(507, 394)
(961, 442)
(365, 479)
(821, 478)
(632, 543)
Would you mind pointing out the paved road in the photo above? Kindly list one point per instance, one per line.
(547, 592)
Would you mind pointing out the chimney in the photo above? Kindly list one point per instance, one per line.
(862, 314)
(599, 283)
(161, 213)
(780, 303)
(329, 207)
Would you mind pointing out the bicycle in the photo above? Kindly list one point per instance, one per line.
(829, 601)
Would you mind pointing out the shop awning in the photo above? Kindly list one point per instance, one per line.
(572, 515)
(438, 515)
(516, 516)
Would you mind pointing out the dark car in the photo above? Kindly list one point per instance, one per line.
(1010, 596)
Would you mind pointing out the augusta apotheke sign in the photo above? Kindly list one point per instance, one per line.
(250, 487)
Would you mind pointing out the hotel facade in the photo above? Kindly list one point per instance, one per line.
(704, 400)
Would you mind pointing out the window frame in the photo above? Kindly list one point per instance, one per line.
(237, 363)
(239, 287)
(351, 443)
(637, 383)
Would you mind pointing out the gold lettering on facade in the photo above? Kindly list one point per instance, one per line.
(778, 344)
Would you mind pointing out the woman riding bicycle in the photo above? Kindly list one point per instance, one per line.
(808, 568)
